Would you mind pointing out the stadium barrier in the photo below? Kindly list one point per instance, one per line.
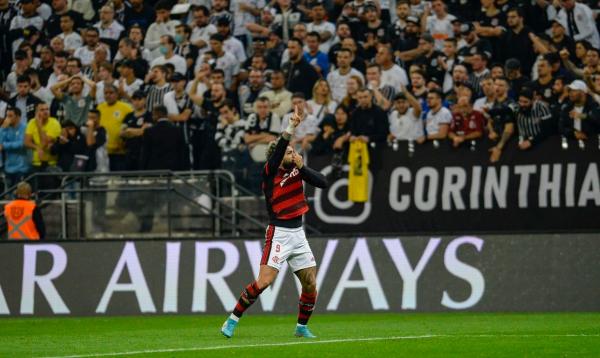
(554, 187)
(399, 274)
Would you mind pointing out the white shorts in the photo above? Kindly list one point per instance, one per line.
(283, 244)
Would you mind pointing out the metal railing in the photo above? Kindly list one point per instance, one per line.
(218, 213)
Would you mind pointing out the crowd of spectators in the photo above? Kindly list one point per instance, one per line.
(93, 85)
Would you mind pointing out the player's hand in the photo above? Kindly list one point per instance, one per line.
(297, 116)
(298, 160)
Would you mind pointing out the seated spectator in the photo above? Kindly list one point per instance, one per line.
(128, 82)
(321, 104)
(405, 119)
(262, 127)
(248, 93)
(16, 158)
(438, 119)
(109, 29)
(71, 39)
(75, 104)
(580, 116)
(41, 133)
(279, 97)
(225, 61)
(22, 64)
(533, 120)
(467, 123)
(104, 77)
(162, 26)
(307, 130)
(502, 119)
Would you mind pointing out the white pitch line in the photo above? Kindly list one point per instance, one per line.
(209, 348)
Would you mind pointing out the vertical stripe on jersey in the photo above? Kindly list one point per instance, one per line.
(268, 244)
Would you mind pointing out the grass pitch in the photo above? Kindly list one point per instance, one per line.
(381, 335)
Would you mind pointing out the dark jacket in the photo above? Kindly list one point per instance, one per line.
(32, 101)
(300, 77)
(371, 122)
(589, 125)
(162, 147)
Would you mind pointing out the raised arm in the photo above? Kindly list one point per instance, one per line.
(279, 152)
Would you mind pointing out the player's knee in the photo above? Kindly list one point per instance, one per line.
(309, 286)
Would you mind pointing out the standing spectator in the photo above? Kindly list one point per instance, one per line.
(22, 64)
(230, 44)
(533, 120)
(338, 79)
(439, 24)
(12, 136)
(467, 123)
(54, 24)
(158, 87)
(391, 74)
(168, 55)
(250, 92)
(244, 12)
(484, 103)
(438, 119)
(383, 94)
(479, 71)
(28, 16)
(306, 132)
(104, 77)
(368, 122)
(321, 104)
(279, 97)
(320, 25)
(334, 136)
(129, 51)
(128, 82)
(230, 139)
(75, 104)
(517, 40)
(23, 217)
(41, 132)
(72, 39)
(314, 56)
(92, 42)
(405, 119)
(162, 144)
(202, 29)
(7, 12)
(262, 127)
(76, 149)
(23, 99)
(542, 87)
(185, 48)
(134, 125)
(515, 76)
(579, 20)
(225, 61)
(112, 115)
(139, 13)
(580, 116)
(162, 26)
(109, 29)
(300, 75)
(502, 119)
(179, 111)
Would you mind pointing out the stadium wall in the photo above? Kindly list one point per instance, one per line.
(399, 274)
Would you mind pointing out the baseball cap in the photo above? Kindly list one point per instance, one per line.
(578, 85)
(412, 19)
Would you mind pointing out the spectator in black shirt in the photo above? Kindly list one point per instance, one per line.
(515, 76)
(335, 133)
(134, 125)
(300, 75)
(502, 119)
(162, 144)
(542, 87)
(517, 41)
(60, 7)
(369, 122)
(139, 14)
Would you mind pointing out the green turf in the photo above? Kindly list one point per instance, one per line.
(462, 335)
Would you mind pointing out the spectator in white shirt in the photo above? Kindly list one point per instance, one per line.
(580, 22)
(92, 40)
(167, 47)
(71, 39)
(391, 74)
(325, 29)
(439, 25)
(230, 44)
(306, 132)
(338, 79)
(438, 119)
(321, 103)
(225, 61)
(405, 119)
(202, 29)
(163, 25)
(105, 70)
(109, 29)
(128, 83)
